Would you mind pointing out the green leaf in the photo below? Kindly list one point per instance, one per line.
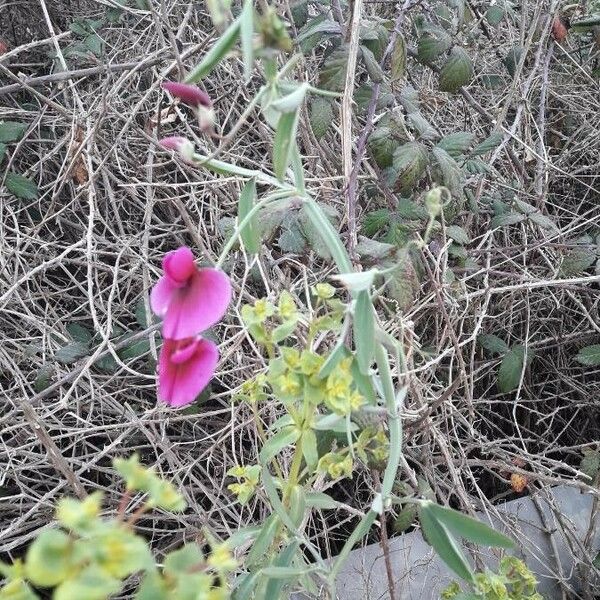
(406, 518)
(180, 561)
(512, 59)
(586, 24)
(285, 437)
(398, 60)
(263, 540)
(422, 126)
(333, 73)
(43, 378)
(543, 221)
(22, 187)
(152, 587)
(72, 352)
(590, 356)
(49, 558)
(494, 14)
(364, 331)
(91, 583)
(285, 138)
(320, 116)
(309, 449)
(291, 240)
(458, 234)
(511, 368)
(578, 260)
(433, 43)
(135, 349)
(439, 538)
(320, 501)
(468, 528)
(247, 37)
(216, 53)
(409, 164)
(95, 44)
(508, 219)
(292, 101)
(371, 64)
(493, 343)
(451, 174)
(17, 589)
(456, 144)
(250, 234)
(357, 281)
(382, 144)
(12, 131)
(376, 221)
(2, 152)
(275, 571)
(120, 552)
(79, 333)
(456, 72)
(590, 464)
(490, 143)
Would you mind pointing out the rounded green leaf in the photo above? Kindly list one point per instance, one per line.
(433, 43)
(22, 187)
(456, 72)
(320, 116)
(48, 559)
(11, 131)
(589, 356)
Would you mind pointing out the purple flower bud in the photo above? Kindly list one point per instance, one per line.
(189, 94)
(179, 144)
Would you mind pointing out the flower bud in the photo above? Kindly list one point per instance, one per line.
(189, 94)
(433, 202)
(179, 144)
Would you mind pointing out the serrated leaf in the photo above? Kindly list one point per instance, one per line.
(134, 350)
(320, 116)
(299, 10)
(382, 144)
(409, 164)
(409, 98)
(433, 43)
(2, 152)
(490, 143)
(291, 241)
(458, 234)
(508, 219)
(494, 14)
(452, 176)
(79, 333)
(43, 378)
(95, 44)
(422, 126)
(376, 221)
(439, 538)
(285, 138)
(72, 352)
(216, 53)
(373, 68)
(398, 60)
(511, 367)
(589, 356)
(590, 464)
(493, 343)
(318, 26)
(313, 233)
(374, 251)
(456, 144)
(456, 72)
(22, 187)
(512, 59)
(403, 285)
(12, 131)
(578, 260)
(543, 221)
(333, 73)
(250, 234)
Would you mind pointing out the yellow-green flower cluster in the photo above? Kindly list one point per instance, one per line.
(341, 396)
(248, 478)
(336, 465)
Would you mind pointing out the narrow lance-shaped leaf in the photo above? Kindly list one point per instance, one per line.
(250, 233)
(442, 542)
(364, 331)
(216, 53)
(290, 102)
(471, 529)
(285, 137)
(247, 35)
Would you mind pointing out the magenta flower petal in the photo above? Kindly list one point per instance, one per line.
(180, 381)
(179, 264)
(162, 295)
(198, 305)
(189, 94)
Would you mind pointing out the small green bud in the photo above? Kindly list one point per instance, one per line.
(433, 201)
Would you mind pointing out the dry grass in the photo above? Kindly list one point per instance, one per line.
(111, 204)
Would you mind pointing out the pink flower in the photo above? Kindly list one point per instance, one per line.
(189, 94)
(184, 369)
(189, 299)
(179, 144)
